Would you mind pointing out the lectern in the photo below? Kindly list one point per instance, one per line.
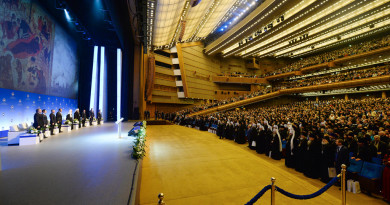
(119, 123)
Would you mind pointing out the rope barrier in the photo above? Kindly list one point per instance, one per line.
(288, 194)
(260, 194)
(310, 196)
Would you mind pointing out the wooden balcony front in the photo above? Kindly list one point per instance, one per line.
(239, 80)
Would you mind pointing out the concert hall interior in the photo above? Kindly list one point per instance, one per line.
(140, 102)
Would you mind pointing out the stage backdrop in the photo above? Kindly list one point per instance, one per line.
(38, 63)
(17, 106)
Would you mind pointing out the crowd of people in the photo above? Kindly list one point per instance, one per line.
(41, 121)
(302, 82)
(333, 55)
(334, 77)
(312, 136)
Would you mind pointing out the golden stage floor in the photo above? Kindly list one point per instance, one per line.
(196, 167)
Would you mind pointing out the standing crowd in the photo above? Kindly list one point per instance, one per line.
(41, 121)
(312, 136)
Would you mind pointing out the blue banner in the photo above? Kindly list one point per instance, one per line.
(18, 107)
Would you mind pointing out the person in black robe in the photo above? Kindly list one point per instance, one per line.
(77, 116)
(351, 143)
(251, 136)
(69, 117)
(99, 117)
(364, 151)
(300, 153)
(52, 121)
(267, 140)
(59, 119)
(328, 149)
(84, 117)
(313, 157)
(291, 145)
(220, 129)
(260, 139)
(276, 145)
(240, 137)
(229, 131)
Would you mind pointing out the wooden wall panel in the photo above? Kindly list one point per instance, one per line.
(199, 69)
(163, 59)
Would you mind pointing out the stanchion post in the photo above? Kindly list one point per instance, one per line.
(273, 190)
(161, 199)
(343, 192)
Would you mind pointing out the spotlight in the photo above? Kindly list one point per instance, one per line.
(67, 15)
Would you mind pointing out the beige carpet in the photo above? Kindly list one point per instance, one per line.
(195, 167)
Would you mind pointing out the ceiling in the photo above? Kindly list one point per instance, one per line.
(89, 21)
(256, 28)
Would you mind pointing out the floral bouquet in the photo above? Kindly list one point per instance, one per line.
(32, 130)
(139, 144)
(67, 122)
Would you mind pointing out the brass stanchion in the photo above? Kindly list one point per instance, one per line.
(161, 199)
(273, 190)
(343, 192)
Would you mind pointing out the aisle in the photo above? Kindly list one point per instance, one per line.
(195, 167)
(86, 166)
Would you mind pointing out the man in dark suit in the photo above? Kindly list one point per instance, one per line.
(59, 119)
(91, 116)
(156, 114)
(77, 116)
(379, 147)
(38, 120)
(44, 117)
(342, 155)
(84, 116)
(52, 120)
(99, 117)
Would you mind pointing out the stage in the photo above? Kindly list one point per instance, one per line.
(195, 167)
(87, 166)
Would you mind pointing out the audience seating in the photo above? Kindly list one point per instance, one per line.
(370, 178)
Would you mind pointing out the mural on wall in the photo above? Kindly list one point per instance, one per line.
(27, 40)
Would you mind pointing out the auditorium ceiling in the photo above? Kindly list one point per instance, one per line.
(260, 28)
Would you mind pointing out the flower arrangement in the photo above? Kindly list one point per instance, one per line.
(75, 121)
(94, 119)
(55, 126)
(44, 128)
(32, 130)
(139, 143)
(67, 122)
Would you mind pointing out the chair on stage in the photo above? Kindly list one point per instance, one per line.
(14, 134)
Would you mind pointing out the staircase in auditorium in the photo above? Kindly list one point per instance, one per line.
(330, 86)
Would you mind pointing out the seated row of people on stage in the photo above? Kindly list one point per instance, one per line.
(42, 121)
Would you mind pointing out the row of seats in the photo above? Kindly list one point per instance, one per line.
(369, 174)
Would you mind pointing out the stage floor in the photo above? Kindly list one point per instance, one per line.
(196, 167)
(87, 166)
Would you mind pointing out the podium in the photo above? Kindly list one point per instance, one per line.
(119, 123)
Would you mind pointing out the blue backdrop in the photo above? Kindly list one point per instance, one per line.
(17, 106)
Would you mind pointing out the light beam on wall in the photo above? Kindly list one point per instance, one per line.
(92, 103)
(102, 79)
(67, 15)
(119, 82)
